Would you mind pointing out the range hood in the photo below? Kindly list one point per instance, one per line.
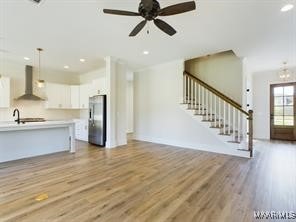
(29, 86)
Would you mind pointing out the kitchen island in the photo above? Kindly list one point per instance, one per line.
(19, 141)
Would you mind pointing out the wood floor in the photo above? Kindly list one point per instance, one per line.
(148, 182)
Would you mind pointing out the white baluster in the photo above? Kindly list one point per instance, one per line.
(203, 101)
(215, 105)
(233, 123)
(211, 106)
(229, 119)
(219, 108)
(239, 125)
(192, 93)
(187, 89)
(207, 103)
(199, 101)
(195, 95)
(224, 117)
(184, 88)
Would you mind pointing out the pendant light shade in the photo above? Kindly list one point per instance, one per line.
(40, 82)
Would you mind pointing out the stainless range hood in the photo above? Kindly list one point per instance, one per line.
(29, 86)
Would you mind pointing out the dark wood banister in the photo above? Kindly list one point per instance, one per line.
(217, 93)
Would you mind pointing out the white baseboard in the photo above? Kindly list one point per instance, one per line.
(202, 147)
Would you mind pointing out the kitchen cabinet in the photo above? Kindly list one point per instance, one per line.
(81, 129)
(98, 87)
(58, 96)
(75, 97)
(4, 92)
(84, 93)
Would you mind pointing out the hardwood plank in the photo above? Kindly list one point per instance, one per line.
(149, 182)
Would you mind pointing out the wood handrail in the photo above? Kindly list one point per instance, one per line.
(217, 93)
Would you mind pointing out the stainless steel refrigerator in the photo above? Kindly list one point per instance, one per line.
(97, 120)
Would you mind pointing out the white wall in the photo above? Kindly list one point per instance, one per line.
(223, 71)
(121, 104)
(130, 105)
(95, 74)
(34, 108)
(116, 102)
(158, 115)
(261, 101)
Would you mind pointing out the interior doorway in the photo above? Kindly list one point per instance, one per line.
(283, 111)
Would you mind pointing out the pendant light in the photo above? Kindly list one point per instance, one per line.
(285, 74)
(40, 82)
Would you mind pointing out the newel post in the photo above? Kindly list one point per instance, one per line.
(250, 119)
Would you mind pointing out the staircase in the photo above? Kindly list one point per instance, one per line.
(223, 116)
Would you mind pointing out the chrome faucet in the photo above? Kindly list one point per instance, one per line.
(18, 120)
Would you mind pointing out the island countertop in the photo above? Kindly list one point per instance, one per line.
(13, 126)
(31, 139)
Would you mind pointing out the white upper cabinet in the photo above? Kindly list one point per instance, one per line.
(4, 92)
(84, 94)
(98, 87)
(61, 96)
(58, 96)
(75, 97)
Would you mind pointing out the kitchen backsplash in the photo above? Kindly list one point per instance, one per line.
(36, 109)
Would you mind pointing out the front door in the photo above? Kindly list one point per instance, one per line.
(283, 111)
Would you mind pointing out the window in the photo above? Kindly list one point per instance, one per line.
(284, 106)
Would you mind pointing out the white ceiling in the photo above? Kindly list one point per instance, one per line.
(72, 29)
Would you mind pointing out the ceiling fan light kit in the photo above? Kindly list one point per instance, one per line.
(150, 10)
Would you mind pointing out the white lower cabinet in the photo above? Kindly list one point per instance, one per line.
(81, 129)
(4, 92)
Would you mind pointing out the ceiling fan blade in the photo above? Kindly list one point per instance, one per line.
(120, 12)
(138, 28)
(162, 25)
(177, 9)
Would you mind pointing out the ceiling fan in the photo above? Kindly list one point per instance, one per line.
(150, 10)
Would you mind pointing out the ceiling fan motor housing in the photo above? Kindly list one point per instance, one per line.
(149, 14)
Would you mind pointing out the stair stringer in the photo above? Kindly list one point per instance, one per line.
(236, 149)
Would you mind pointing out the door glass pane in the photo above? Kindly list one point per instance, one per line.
(288, 111)
(278, 110)
(288, 90)
(289, 120)
(288, 100)
(278, 91)
(278, 101)
(278, 120)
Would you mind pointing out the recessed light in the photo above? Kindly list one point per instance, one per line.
(26, 58)
(145, 52)
(66, 67)
(82, 60)
(287, 7)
